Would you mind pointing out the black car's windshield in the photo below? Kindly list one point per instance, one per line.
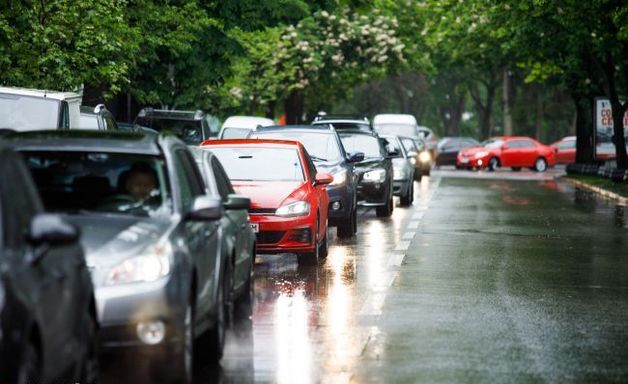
(74, 182)
(190, 131)
(260, 163)
(322, 146)
(367, 144)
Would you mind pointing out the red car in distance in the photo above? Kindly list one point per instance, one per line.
(565, 149)
(515, 152)
(289, 201)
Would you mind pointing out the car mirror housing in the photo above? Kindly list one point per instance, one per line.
(52, 230)
(356, 157)
(237, 202)
(206, 208)
(323, 179)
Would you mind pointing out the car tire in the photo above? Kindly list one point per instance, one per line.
(493, 164)
(244, 305)
(90, 365)
(385, 210)
(516, 169)
(540, 165)
(178, 365)
(407, 199)
(29, 370)
(426, 172)
(345, 228)
(324, 245)
(214, 343)
(311, 258)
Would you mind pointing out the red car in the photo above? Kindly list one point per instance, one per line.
(565, 149)
(289, 201)
(515, 152)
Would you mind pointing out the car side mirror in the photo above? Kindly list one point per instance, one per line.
(206, 208)
(323, 179)
(413, 154)
(51, 230)
(237, 202)
(356, 157)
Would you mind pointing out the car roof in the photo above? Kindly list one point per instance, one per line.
(56, 95)
(394, 118)
(251, 143)
(87, 140)
(246, 122)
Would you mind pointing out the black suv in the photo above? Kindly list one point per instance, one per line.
(97, 118)
(191, 126)
(375, 172)
(325, 148)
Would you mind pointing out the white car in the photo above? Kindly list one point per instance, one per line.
(404, 125)
(238, 127)
(24, 109)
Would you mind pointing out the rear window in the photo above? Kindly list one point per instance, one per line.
(190, 131)
(260, 163)
(320, 146)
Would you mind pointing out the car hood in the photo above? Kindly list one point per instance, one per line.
(110, 239)
(271, 194)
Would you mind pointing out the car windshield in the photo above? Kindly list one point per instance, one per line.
(367, 144)
(74, 182)
(396, 129)
(23, 113)
(492, 143)
(260, 163)
(322, 146)
(190, 131)
(392, 146)
(89, 122)
(235, 133)
(409, 145)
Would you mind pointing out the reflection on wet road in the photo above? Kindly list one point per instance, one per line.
(481, 280)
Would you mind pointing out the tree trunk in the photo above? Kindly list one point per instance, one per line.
(507, 102)
(584, 129)
(540, 111)
(484, 110)
(294, 105)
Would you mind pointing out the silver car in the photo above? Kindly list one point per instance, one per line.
(403, 169)
(152, 238)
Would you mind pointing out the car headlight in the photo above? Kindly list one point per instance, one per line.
(425, 157)
(145, 268)
(375, 176)
(413, 160)
(339, 177)
(299, 208)
(481, 154)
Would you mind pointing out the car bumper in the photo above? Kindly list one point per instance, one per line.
(373, 194)
(472, 162)
(122, 308)
(284, 234)
(340, 203)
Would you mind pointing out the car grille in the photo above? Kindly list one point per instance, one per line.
(269, 237)
(262, 211)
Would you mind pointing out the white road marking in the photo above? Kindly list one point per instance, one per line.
(408, 235)
(413, 225)
(396, 260)
(402, 246)
(373, 304)
(418, 215)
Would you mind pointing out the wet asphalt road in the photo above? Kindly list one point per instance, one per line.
(488, 277)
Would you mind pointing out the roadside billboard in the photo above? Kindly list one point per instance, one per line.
(603, 145)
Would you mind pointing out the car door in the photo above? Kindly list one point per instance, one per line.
(510, 154)
(200, 237)
(239, 227)
(528, 152)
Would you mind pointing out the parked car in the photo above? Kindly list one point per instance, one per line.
(289, 201)
(508, 151)
(325, 148)
(565, 149)
(191, 126)
(24, 109)
(418, 155)
(344, 122)
(48, 327)
(404, 125)
(447, 149)
(403, 169)
(238, 239)
(152, 238)
(238, 127)
(374, 172)
(97, 118)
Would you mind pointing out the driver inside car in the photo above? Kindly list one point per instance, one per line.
(141, 181)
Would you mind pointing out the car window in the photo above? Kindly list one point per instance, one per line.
(190, 181)
(89, 122)
(521, 144)
(320, 145)
(369, 145)
(392, 146)
(260, 163)
(568, 144)
(235, 133)
(72, 182)
(222, 181)
(190, 131)
(110, 123)
(409, 145)
(310, 164)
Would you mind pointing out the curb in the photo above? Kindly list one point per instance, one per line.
(609, 195)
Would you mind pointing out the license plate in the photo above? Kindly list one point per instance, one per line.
(464, 160)
(255, 227)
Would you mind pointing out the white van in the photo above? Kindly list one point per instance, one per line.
(24, 109)
(238, 127)
(403, 125)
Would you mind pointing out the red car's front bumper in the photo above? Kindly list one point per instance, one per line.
(472, 161)
(284, 234)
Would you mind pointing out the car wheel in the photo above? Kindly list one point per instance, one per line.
(30, 365)
(215, 344)
(516, 169)
(323, 246)
(386, 210)
(244, 305)
(406, 200)
(426, 172)
(493, 164)
(345, 228)
(90, 365)
(540, 165)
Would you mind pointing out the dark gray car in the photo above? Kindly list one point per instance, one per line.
(152, 238)
(48, 326)
(238, 240)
